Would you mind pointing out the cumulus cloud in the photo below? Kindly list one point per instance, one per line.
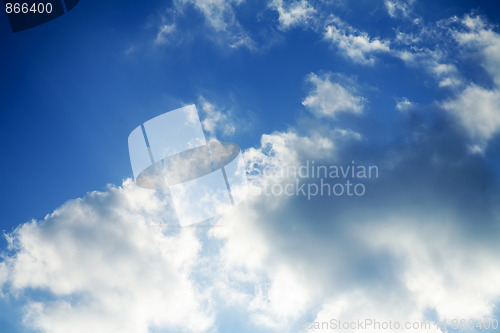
(423, 239)
(478, 111)
(354, 44)
(328, 98)
(106, 267)
(376, 259)
(293, 13)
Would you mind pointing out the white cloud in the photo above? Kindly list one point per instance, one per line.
(433, 263)
(478, 35)
(425, 265)
(438, 272)
(266, 284)
(434, 62)
(293, 13)
(354, 44)
(478, 111)
(447, 74)
(328, 98)
(215, 118)
(397, 8)
(348, 134)
(107, 268)
(477, 108)
(404, 104)
(365, 307)
(220, 16)
(164, 32)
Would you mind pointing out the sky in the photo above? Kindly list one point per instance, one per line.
(411, 87)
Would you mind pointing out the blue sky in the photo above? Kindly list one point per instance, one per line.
(411, 86)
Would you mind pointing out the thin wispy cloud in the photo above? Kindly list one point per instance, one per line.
(354, 44)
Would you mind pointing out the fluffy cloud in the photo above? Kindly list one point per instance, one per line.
(474, 34)
(370, 259)
(328, 98)
(478, 111)
(423, 239)
(294, 13)
(107, 267)
(354, 44)
(403, 104)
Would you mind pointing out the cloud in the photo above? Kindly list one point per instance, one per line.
(220, 17)
(367, 311)
(424, 238)
(475, 34)
(164, 32)
(478, 111)
(105, 263)
(106, 268)
(328, 98)
(396, 8)
(404, 104)
(215, 118)
(398, 255)
(353, 44)
(293, 13)
(435, 62)
(394, 254)
(434, 275)
(476, 107)
(432, 272)
(218, 14)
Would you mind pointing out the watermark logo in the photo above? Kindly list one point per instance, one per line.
(376, 325)
(311, 180)
(170, 153)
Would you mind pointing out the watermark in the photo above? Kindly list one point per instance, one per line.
(374, 324)
(312, 180)
(170, 154)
